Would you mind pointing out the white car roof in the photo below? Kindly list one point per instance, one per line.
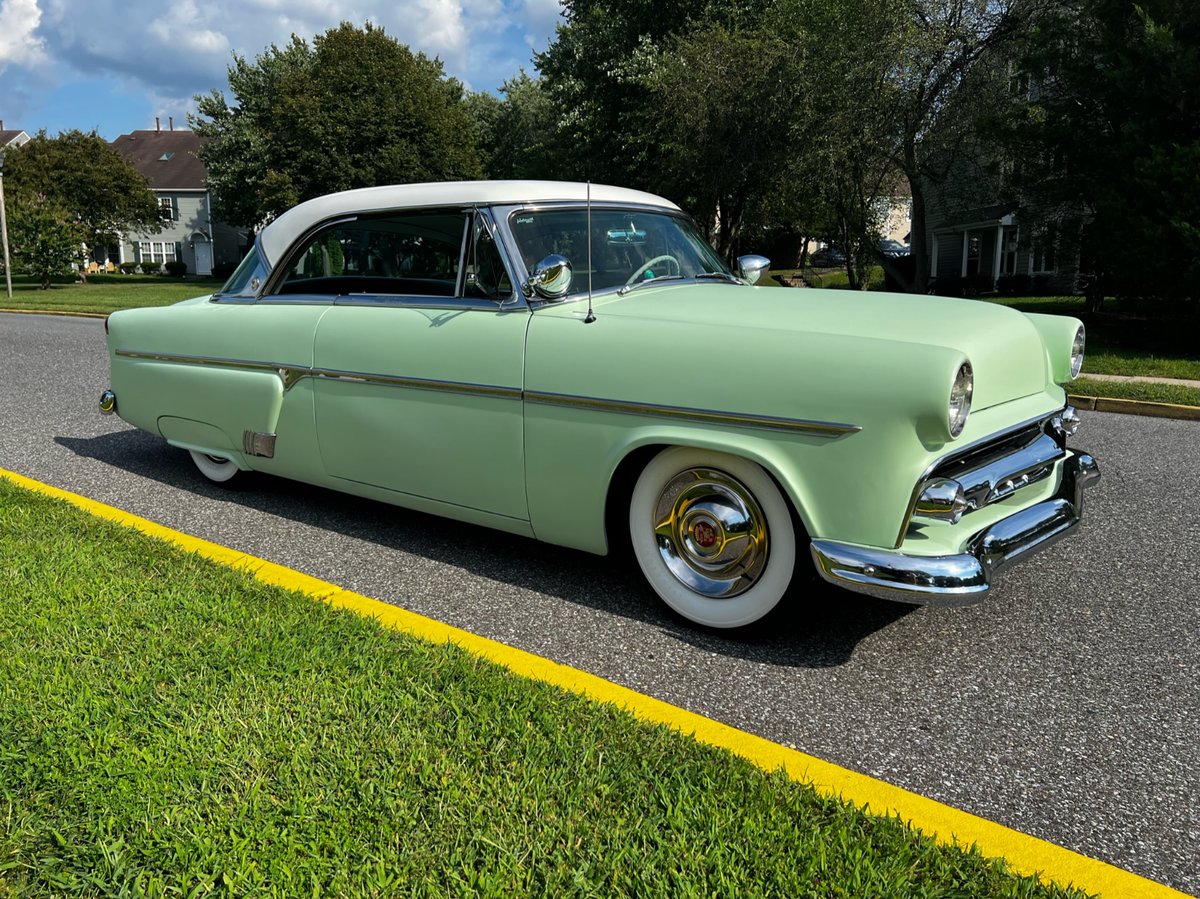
(283, 231)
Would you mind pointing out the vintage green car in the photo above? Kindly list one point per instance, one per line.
(573, 363)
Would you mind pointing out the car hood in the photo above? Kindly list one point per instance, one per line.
(1003, 345)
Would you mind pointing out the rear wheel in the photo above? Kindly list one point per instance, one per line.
(713, 535)
(215, 468)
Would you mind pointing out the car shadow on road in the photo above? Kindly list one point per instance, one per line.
(816, 625)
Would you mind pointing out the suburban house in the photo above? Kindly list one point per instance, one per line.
(11, 138)
(179, 181)
(980, 243)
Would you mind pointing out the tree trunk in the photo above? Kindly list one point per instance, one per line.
(917, 237)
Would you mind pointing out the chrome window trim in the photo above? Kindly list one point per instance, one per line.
(700, 416)
(503, 213)
(278, 272)
(291, 374)
(515, 300)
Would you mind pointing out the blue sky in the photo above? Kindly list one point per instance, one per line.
(114, 65)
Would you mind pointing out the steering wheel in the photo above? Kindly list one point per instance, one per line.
(637, 276)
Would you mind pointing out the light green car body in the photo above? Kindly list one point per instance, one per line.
(519, 416)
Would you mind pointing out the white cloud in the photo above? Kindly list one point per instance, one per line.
(182, 25)
(19, 20)
(169, 52)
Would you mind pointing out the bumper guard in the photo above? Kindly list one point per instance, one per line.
(961, 579)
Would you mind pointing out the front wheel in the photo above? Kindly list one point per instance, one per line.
(215, 468)
(713, 535)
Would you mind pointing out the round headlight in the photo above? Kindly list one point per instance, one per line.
(960, 398)
(1077, 354)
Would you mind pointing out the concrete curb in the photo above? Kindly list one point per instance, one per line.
(54, 312)
(1135, 407)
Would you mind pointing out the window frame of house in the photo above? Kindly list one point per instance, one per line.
(167, 210)
(1043, 255)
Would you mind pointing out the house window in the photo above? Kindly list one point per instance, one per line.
(1043, 250)
(166, 209)
(144, 251)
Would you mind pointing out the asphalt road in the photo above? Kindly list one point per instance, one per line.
(1067, 706)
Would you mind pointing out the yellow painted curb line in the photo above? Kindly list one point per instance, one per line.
(1023, 853)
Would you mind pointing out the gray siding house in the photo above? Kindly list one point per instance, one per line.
(179, 181)
(971, 236)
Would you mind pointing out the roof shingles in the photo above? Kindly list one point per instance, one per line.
(181, 170)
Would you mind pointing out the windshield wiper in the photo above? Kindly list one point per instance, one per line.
(724, 276)
(628, 287)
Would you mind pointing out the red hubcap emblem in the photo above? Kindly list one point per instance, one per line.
(704, 535)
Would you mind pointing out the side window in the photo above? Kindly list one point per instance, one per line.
(398, 254)
(486, 276)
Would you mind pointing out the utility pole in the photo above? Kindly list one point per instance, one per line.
(4, 230)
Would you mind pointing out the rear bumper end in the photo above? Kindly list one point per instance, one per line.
(963, 578)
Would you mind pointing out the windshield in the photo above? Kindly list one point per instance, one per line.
(627, 245)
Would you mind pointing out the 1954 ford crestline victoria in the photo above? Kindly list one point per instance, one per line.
(576, 365)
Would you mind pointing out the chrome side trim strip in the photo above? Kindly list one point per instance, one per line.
(504, 393)
(703, 416)
(277, 367)
(292, 374)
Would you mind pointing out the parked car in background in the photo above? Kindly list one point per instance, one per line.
(827, 257)
(575, 364)
(893, 249)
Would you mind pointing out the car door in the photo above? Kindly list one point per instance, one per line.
(418, 365)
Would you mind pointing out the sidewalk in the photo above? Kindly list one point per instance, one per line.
(1182, 382)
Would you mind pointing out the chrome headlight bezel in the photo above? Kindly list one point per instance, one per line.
(1077, 347)
(961, 390)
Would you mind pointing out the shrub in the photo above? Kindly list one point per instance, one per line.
(224, 269)
(151, 268)
(1014, 285)
(176, 269)
(1042, 286)
(128, 268)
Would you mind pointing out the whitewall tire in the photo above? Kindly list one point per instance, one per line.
(214, 467)
(713, 535)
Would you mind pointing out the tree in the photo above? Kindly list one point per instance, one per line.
(82, 177)
(358, 109)
(46, 239)
(735, 154)
(1104, 123)
(237, 152)
(518, 136)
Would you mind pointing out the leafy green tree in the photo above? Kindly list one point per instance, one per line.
(358, 109)
(80, 175)
(1105, 123)
(45, 239)
(518, 136)
(732, 110)
(238, 151)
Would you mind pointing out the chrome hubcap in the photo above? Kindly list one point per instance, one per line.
(711, 533)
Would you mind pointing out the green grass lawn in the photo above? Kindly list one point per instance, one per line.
(1178, 394)
(171, 727)
(103, 294)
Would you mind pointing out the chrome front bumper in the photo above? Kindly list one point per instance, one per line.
(964, 578)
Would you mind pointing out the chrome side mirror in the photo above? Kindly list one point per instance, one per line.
(550, 278)
(753, 267)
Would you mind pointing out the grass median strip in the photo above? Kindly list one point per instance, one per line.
(170, 726)
(1149, 392)
(103, 294)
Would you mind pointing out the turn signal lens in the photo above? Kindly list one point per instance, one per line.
(960, 398)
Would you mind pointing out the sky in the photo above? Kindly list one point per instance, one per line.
(113, 65)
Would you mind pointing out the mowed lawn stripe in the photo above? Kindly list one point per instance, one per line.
(170, 725)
